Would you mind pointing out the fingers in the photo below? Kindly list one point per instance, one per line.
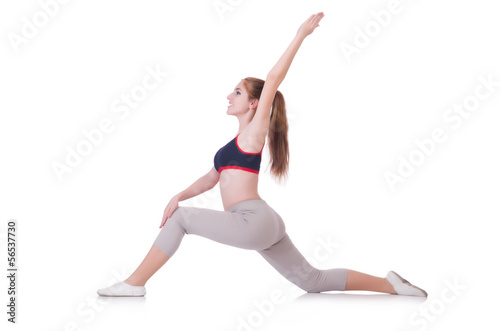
(314, 19)
(166, 215)
(164, 219)
(318, 17)
(169, 211)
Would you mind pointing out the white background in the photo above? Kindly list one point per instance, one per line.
(349, 123)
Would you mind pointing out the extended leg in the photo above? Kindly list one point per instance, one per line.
(358, 281)
(290, 263)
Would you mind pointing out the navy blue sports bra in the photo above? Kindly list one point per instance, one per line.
(231, 156)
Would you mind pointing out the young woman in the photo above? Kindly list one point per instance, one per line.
(247, 221)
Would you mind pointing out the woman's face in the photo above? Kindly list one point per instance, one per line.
(238, 101)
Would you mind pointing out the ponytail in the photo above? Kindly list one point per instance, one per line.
(278, 128)
(278, 138)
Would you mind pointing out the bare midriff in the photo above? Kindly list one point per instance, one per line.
(237, 185)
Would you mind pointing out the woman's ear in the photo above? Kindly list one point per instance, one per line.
(255, 103)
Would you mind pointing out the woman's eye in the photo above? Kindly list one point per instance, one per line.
(237, 93)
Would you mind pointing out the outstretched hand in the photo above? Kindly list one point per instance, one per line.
(308, 26)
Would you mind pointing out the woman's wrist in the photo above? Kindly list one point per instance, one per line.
(178, 197)
(300, 37)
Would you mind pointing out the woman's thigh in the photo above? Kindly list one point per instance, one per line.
(248, 229)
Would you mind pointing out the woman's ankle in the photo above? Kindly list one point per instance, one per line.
(134, 282)
(390, 288)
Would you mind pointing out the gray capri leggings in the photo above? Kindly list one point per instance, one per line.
(250, 224)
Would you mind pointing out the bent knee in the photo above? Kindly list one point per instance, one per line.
(182, 214)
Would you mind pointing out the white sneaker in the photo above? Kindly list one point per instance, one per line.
(122, 289)
(404, 287)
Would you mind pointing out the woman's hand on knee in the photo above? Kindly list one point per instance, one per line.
(169, 210)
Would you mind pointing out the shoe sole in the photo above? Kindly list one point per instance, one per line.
(407, 282)
(112, 295)
(105, 295)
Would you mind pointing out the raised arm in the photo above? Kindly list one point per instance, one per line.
(278, 72)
